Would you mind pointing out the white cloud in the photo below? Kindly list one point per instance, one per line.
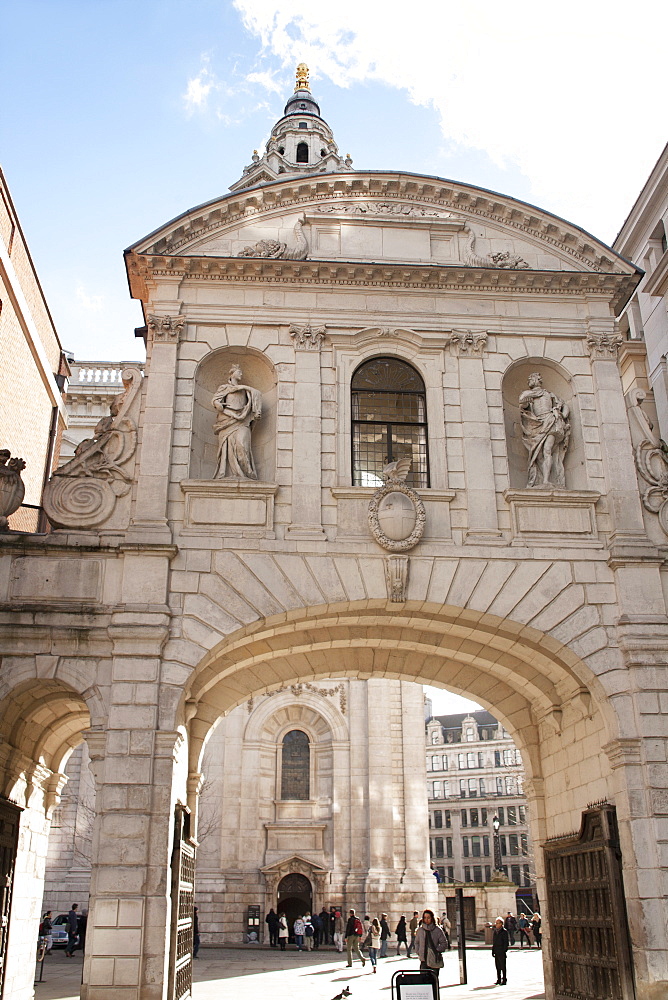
(91, 303)
(198, 90)
(266, 79)
(570, 94)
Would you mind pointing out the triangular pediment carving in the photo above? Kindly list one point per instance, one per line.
(294, 864)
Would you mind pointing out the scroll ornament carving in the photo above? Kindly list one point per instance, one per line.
(604, 345)
(396, 513)
(651, 458)
(463, 342)
(396, 577)
(165, 328)
(546, 433)
(12, 488)
(383, 208)
(275, 250)
(83, 492)
(307, 338)
(503, 259)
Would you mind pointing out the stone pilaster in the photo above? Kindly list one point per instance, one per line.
(306, 521)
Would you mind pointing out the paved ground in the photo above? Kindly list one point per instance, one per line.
(254, 974)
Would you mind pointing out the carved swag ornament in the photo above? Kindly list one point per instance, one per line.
(83, 492)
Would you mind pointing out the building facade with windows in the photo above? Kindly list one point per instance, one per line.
(474, 775)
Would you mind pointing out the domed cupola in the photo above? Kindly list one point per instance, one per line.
(301, 142)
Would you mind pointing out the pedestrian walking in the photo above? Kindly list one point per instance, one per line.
(308, 933)
(72, 925)
(195, 931)
(374, 942)
(535, 929)
(430, 944)
(413, 926)
(500, 945)
(354, 932)
(524, 927)
(45, 931)
(317, 930)
(282, 931)
(447, 928)
(338, 931)
(400, 931)
(510, 923)
(271, 921)
(385, 934)
(298, 933)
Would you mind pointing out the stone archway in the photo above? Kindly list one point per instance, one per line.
(294, 884)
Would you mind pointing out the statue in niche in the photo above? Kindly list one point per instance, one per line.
(237, 408)
(546, 433)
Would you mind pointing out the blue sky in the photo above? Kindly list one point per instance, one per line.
(119, 115)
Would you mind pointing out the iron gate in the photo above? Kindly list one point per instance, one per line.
(591, 952)
(9, 838)
(183, 888)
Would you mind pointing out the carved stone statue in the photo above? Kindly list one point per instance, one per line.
(12, 489)
(546, 433)
(275, 250)
(237, 408)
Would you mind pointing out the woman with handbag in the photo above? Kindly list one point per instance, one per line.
(372, 942)
(430, 943)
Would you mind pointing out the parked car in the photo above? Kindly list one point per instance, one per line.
(59, 931)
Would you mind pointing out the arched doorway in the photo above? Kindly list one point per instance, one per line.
(294, 897)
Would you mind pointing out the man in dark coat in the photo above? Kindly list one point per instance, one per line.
(325, 936)
(72, 928)
(510, 923)
(385, 934)
(500, 945)
(271, 921)
(316, 923)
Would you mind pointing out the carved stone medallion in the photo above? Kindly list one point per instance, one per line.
(396, 517)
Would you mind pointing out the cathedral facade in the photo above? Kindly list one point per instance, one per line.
(383, 435)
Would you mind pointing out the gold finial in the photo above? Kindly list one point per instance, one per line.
(302, 78)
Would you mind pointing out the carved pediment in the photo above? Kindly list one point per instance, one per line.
(294, 864)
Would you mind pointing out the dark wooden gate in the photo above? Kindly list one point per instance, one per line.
(9, 839)
(183, 888)
(591, 952)
(469, 913)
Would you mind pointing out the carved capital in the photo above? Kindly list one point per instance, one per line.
(307, 338)
(396, 577)
(622, 752)
(166, 328)
(464, 343)
(604, 346)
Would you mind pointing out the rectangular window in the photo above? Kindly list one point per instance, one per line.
(508, 757)
(448, 846)
(438, 819)
(483, 818)
(485, 846)
(441, 871)
(488, 873)
(467, 873)
(515, 874)
(438, 844)
(523, 814)
(437, 790)
(465, 846)
(474, 817)
(462, 787)
(475, 847)
(480, 760)
(445, 763)
(524, 844)
(473, 788)
(497, 758)
(471, 760)
(513, 844)
(499, 786)
(477, 873)
(500, 814)
(451, 872)
(464, 817)
(502, 845)
(527, 877)
(436, 762)
(510, 786)
(448, 819)
(512, 816)
(482, 787)
(430, 821)
(461, 759)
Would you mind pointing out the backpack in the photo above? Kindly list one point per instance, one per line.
(359, 930)
(309, 930)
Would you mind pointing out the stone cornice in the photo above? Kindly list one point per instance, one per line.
(145, 268)
(472, 202)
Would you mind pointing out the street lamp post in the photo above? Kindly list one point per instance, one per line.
(497, 843)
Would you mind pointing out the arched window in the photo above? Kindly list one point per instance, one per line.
(389, 421)
(295, 768)
(302, 152)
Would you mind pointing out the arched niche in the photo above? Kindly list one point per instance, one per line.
(558, 381)
(213, 371)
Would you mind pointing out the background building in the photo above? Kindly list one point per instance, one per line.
(475, 773)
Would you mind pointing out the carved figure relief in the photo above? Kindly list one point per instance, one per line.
(307, 338)
(651, 457)
(396, 513)
(502, 259)
(546, 432)
(12, 488)
(237, 408)
(83, 492)
(275, 250)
